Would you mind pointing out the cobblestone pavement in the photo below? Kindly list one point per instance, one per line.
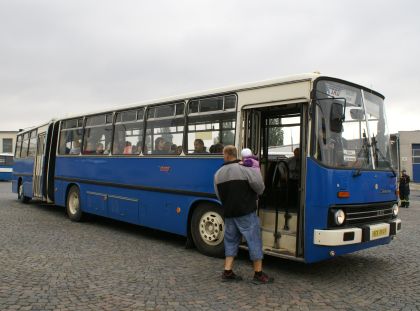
(48, 262)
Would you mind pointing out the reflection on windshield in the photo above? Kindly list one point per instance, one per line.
(363, 140)
(375, 111)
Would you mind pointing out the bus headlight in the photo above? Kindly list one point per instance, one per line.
(395, 210)
(339, 217)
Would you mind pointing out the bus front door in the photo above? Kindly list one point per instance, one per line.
(38, 167)
(274, 135)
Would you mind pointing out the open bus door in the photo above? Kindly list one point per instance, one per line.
(274, 133)
(39, 167)
(44, 163)
(50, 155)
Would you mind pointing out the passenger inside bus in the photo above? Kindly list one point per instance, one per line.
(159, 146)
(137, 148)
(199, 146)
(167, 147)
(99, 148)
(173, 149)
(89, 148)
(128, 149)
(75, 149)
(107, 149)
(216, 148)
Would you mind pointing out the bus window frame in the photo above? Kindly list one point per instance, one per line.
(33, 136)
(105, 124)
(313, 113)
(137, 121)
(19, 139)
(199, 114)
(156, 119)
(78, 126)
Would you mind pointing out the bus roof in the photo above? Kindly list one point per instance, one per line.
(210, 92)
(235, 88)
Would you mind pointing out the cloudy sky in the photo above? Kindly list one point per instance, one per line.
(61, 57)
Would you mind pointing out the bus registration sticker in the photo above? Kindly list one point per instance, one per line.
(378, 232)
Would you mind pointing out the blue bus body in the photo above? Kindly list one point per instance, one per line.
(6, 166)
(23, 171)
(369, 187)
(127, 188)
(56, 163)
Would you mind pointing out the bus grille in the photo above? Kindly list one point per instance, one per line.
(366, 213)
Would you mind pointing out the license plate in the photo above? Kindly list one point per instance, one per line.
(380, 232)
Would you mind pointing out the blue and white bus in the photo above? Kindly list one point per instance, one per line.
(6, 166)
(152, 164)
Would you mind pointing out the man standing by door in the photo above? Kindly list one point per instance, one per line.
(238, 187)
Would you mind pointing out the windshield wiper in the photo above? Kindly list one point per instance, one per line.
(377, 151)
(365, 150)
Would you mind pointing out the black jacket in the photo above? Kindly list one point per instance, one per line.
(237, 188)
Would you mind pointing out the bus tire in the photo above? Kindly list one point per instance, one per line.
(21, 194)
(73, 204)
(207, 229)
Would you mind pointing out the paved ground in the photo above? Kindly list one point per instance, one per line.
(48, 262)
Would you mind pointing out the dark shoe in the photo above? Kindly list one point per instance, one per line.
(262, 279)
(230, 277)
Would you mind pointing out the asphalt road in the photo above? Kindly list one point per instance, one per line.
(48, 262)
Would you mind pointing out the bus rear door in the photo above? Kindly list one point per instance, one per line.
(39, 167)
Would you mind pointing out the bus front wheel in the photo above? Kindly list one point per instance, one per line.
(21, 194)
(207, 230)
(73, 205)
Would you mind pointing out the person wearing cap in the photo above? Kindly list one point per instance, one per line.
(249, 160)
(404, 188)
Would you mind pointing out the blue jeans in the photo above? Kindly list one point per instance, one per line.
(247, 226)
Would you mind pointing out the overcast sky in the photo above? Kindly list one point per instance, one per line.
(61, 57)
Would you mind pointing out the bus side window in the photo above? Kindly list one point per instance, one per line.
(211, 124)
(32, 144)
(18, 146)
(25, 145)
(128, 132)
(165, 129)
(97, 135)
(70, 137)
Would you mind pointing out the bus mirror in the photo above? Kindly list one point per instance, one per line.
(357, 114)
(337, 114)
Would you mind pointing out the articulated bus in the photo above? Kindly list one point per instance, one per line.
(6, 166)
(152, 164)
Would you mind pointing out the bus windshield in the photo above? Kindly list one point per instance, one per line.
(351, 127)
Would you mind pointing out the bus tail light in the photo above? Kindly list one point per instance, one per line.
(343, 194)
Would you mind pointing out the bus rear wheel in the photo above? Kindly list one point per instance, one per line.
(73, 206)
(21, 194)
(207, 230)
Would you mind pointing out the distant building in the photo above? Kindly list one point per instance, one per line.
(7, 141)
(405, 147)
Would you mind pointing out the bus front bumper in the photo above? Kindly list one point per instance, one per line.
(366, 233)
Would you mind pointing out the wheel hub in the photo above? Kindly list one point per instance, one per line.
(20, 191)
(74, 203)
(212, 228)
